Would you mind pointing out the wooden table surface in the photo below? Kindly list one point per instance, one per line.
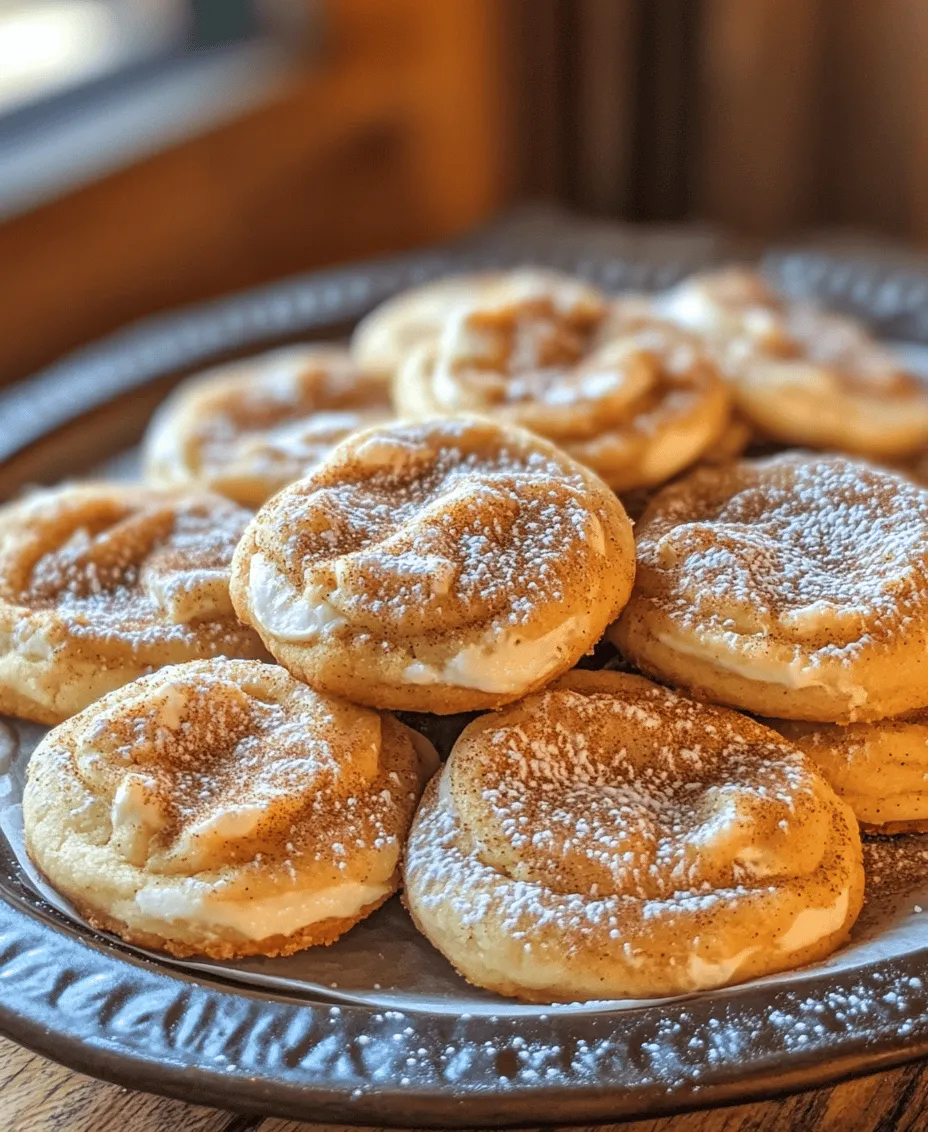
(38, 1096)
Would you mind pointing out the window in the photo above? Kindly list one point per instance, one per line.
(89, 85)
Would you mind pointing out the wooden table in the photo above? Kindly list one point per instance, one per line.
(38, 1096)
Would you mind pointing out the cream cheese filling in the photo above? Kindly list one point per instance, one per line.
(187, 595)
(498, 662)
(813, 924)
(197, 904)
(796, 673)
(705, 975)
(31, 642)
(809, 926)
(284, 611)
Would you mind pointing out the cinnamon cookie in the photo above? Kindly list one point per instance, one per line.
(100, 583)
(448, 566)
(800, 374)
(880, 769)
(635, 403)
(608, 838)
(249, 428)
(792, 587)
(221, 808)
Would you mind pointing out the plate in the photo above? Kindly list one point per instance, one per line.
(99, 1007)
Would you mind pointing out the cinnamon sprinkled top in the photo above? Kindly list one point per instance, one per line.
(413, 529)
(611, 786)
(384, 337)
(845, 347)
(551, 359)
(127, 563)
(218, 763)
(826, 551)
(747, 320)
(250, 428)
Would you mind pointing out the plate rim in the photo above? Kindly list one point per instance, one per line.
(88, 1004)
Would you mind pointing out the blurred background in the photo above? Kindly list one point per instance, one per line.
(159, 152)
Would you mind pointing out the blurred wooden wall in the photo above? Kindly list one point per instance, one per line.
(766, 116)
(815, 112)
(394, 138)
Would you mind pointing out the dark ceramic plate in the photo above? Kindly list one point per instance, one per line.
(93, 1005)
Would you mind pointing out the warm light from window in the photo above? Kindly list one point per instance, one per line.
(50, 45)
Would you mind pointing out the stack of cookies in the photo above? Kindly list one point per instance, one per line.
(440, 532)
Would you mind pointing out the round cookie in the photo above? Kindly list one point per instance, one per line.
(249, 428)
(880, 769)
(792, 587)
(800, 374)
(636, 403)
(734, 308)
(383, 339)
(101, 583)
(221, 808)
(447, 566)
(660, 846)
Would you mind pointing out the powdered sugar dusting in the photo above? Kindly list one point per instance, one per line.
(229, 762)
(614, 820)
(127, 564)
(569, 799)
(435, 528)
(825, 550)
